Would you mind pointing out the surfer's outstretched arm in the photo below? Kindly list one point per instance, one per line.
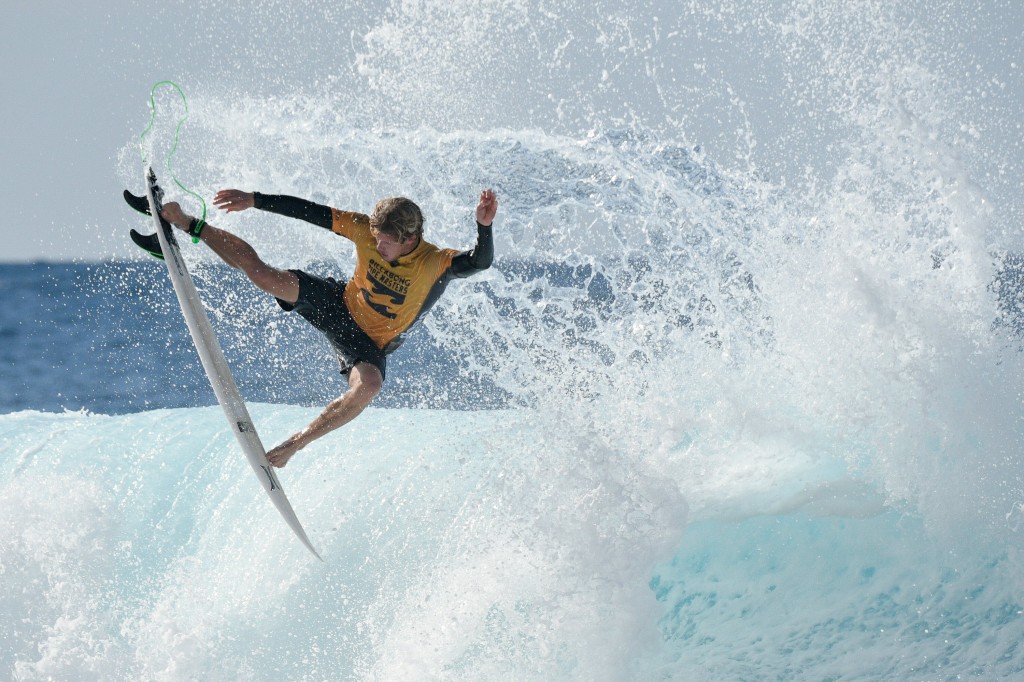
(293, 207)
(237, 253)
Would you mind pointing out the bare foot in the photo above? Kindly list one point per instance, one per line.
(280, 455)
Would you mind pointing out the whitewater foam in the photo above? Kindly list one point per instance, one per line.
(465, 545)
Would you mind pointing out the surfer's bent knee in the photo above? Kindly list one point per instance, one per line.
(368, 379)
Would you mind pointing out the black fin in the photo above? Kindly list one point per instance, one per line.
(140, 204)
(149, 243)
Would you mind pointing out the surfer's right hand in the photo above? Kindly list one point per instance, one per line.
(233, 200)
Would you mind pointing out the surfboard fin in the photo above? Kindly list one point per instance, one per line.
(140, 204)
(149, 243)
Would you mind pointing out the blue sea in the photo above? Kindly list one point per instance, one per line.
(709, 416)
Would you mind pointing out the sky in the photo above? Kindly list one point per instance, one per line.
(76, 78)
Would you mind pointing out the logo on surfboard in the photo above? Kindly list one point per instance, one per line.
(270, 477)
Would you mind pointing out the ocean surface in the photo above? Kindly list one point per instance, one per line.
(730, 405)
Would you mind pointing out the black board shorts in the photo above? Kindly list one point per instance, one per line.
(322, 304)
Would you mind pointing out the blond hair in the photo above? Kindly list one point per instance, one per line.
(397, 217)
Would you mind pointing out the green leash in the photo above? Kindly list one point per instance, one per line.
(174, 147)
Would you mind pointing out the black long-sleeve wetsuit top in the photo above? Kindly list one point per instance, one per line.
(386, 298)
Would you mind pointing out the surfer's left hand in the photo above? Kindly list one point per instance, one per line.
(487, 208)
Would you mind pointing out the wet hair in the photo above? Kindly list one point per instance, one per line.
(397, 217)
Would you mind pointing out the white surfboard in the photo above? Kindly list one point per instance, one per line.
(215, 364)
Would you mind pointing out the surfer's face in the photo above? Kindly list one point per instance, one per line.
(391, 248)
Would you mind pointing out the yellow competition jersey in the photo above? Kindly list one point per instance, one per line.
(385, 299)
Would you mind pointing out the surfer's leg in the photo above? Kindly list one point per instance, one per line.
(364, 383)
(237, 253)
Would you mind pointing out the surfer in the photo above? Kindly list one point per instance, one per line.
(398, 277)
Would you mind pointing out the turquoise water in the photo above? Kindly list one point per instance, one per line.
(467, 545)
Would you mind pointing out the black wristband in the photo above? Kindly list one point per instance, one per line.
(257, 200)
(195, 227)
